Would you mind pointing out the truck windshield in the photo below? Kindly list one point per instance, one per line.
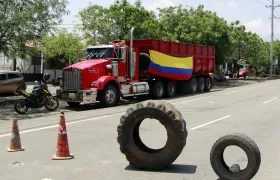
(99, 53)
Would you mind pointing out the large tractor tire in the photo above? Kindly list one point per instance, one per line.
(131, 145)
(244, 142)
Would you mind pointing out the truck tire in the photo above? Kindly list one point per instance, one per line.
(157, 89)
(131, 145)
(208, 84)
(191, 86)
(245, 143)
(170, 89)
(73, 104)
(200, 84)
(109, 96)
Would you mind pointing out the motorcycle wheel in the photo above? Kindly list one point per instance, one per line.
(20, 106)
(51, 104)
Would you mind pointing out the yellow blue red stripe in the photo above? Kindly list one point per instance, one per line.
(176, 68)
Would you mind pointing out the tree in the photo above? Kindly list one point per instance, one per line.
(62, 47)
(27, 20)
(195, 26)
(114, 23)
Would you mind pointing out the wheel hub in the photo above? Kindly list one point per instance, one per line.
(110, 96)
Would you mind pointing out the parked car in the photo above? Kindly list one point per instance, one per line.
(11, 81)
(243, 72)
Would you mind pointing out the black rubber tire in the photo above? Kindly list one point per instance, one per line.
(208, 84)
(136, 152)
(200, 84)
(16, 108)
(249, 147)
(170, 89)
(103, 100)
(191, 87)
(52, 109)
(73, 104)
(157, 84)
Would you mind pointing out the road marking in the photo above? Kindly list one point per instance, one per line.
(54, 126)
(211, 122)
(105, 116)
(270, 100)
(204, 97)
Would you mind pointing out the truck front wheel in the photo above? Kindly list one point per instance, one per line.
(109, 96)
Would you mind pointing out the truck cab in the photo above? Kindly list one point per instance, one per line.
(98, 77)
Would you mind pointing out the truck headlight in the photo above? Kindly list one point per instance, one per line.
(109, 66)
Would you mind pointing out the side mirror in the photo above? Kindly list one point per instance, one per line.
(123, 53)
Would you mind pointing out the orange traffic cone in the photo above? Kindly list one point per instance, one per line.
(15, 144)
(62, 147)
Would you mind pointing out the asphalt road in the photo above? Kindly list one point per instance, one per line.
(251, 109)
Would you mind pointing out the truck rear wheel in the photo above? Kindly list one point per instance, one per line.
(109, 96)
(170, 88)
(157, 89)
(191, 86)
(208, 84)
(200, 84)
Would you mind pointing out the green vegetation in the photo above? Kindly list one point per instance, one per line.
(30, 20)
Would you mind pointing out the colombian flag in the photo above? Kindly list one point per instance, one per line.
(176, 68)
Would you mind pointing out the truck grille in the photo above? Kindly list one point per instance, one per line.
(72, 79)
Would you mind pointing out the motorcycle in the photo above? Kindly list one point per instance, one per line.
(39, 97)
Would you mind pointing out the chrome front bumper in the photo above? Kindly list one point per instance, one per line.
(84, 96)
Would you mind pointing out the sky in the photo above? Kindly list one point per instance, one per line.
(252, 13)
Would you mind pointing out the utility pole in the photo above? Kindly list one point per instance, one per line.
(95, 33)
(272, 6)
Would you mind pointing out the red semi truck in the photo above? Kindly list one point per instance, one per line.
(137, 67)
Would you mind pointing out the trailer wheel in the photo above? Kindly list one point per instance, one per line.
(200, 84)
(157, 89)
(170, 88)
(109, 96)
(191, 86)
(208, 84)
(131, 145)
(244, 142)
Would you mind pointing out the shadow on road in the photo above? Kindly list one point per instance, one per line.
(174, 168)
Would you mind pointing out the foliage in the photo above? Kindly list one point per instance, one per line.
(27, 20)
(176, 23)
(115, 21)
(63, 46)
(195, 26)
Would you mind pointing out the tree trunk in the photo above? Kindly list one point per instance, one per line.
(14, 64)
